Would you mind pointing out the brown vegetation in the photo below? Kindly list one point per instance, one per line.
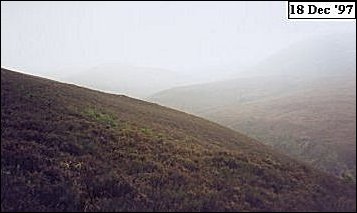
(312, 119)
(67, 148)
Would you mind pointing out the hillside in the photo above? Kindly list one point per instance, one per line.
(67, 148)
(313, 119)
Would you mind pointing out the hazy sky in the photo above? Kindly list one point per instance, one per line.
(196, 37)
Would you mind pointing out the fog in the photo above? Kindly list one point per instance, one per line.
(186, 42)
(288, 84)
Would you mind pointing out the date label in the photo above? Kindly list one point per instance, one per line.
(321, 10)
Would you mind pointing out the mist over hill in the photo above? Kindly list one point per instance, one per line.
(134, 81)
(301, 100)
(312, 56)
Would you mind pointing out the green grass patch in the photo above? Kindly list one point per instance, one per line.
(101, 117)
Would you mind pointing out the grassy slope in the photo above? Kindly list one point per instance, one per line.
(318, 126)
(69, 148)
(313, 119)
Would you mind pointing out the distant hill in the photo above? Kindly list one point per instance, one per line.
(330, 54)
(133, 81)
(305, 107)
(68, 148)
